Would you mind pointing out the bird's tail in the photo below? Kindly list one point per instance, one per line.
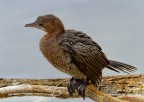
(118, 66)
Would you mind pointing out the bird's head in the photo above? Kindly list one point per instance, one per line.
(48, 23)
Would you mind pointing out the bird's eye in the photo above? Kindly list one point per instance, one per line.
(41, 24)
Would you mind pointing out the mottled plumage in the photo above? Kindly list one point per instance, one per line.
(84, 53)
(75, 53)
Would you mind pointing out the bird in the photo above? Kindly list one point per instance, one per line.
(74, 53)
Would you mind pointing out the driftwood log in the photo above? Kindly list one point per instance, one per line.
(128, 88)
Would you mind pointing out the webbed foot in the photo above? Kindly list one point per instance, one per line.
(78, 85)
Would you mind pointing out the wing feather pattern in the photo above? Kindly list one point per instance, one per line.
(85, 54)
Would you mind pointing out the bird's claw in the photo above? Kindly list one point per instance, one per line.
(78, 85)
(71, 86)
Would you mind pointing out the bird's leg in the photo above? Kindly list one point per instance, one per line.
(71, 86)
(80, 87)
(77, 84)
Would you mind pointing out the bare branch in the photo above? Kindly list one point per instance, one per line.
(54, 91)
(122, 86)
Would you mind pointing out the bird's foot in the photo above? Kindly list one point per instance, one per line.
(71, 86)
(77, 84)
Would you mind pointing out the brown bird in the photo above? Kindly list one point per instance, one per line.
(75, 53)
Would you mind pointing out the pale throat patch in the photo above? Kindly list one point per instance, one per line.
(41, 28)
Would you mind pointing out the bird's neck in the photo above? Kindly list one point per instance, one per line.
(55, 32)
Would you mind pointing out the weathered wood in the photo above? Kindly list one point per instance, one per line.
(122, 87)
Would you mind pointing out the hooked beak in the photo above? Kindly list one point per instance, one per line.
(31, 25)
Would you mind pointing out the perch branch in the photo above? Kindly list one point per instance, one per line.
(55, 91)
(122, 87)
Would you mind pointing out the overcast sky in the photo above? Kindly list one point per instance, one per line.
(117, 25)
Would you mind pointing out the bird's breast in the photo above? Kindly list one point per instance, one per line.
(53, 52)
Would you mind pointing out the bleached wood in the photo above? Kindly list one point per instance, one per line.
(126, 87)
(55, 91)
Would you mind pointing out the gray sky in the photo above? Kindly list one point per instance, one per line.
(117, 25)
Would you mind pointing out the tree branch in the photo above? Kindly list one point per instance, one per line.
(122, 87)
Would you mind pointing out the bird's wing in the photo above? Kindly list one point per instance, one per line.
(85, 54)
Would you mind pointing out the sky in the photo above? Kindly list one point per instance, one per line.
(116, 25)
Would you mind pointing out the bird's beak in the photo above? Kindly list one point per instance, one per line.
(35, 25)
(31, 25)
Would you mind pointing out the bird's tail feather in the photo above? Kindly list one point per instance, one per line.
(118, 66)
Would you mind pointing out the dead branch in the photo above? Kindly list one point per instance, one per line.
(119, 86)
